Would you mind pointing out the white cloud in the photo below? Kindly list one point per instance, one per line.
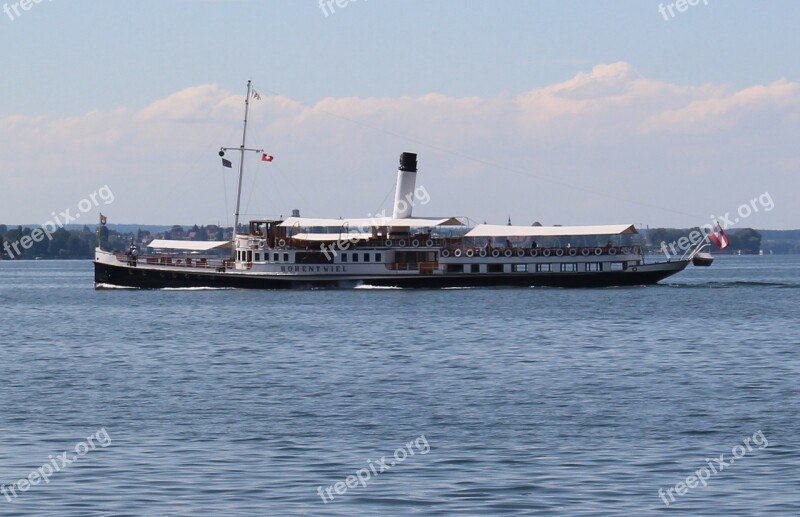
(607, 145)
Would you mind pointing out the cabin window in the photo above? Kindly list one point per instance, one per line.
(569, 268)
(475, 268)
(593, 267)
(377, 257)
(274, 257)
(312, 257)
(542, 268)
(286, 257)
(366, 257)
(617, 266)
(355, 257)
(344, 257)
(495, 268)
(258, 257)
(520, 268)
(455, 268)
(249, 256)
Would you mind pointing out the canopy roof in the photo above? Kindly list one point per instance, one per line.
(331, 237)
(372, 222)
(188, 245)
(497, 230)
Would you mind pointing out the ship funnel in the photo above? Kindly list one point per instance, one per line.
(406, 183)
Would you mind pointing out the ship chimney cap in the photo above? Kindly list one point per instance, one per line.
(408, 162)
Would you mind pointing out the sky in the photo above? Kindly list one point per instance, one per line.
(562, 112)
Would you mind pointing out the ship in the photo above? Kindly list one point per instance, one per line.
(399, 250)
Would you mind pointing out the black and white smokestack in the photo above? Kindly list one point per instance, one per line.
(406, 183)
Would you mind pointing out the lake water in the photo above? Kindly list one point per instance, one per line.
(513, 401)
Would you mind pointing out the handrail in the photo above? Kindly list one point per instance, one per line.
(618, 250)
(165, 260)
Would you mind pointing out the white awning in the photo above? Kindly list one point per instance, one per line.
(497, 230)
(164, 244)
(331, 237)
(419, 222)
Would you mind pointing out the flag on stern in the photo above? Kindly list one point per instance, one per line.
(266, 157)
(227, 163)
(720, 238)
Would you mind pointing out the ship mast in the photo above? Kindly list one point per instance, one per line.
(242, 149)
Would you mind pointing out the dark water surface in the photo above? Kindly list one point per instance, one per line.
(514, 401)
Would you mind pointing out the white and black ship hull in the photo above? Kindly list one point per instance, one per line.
(120, 270)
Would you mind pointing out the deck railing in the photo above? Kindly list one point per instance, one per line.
(164, 260)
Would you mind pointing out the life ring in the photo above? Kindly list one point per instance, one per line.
(445, 253)
(573, 252)
(281, 243)
(401, 243)
(559, 252)
(495, 253)
(585, 252)
(389, 243)
(634, 269)
(546, 253)
(520, 252)
(598, 251)
(415, 243)
(534, 252)
(457, 253)
(429, 243)
(482, 253)
(470, 252)
(612, 251)
(508, 253)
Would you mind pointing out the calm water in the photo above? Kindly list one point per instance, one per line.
(532, 401)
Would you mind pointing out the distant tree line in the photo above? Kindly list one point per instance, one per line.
(81, 243)
(746, 240)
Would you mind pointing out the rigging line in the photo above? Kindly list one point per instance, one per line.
(252, 189)
(297, 193)
(447, 150)
(383, 203)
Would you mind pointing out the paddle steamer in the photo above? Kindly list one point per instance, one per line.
(400, 250)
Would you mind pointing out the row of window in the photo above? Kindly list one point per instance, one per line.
(248, 256)
(353, 257)
(538, 268)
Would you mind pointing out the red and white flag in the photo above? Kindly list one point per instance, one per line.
(266, 157)
(720, 238)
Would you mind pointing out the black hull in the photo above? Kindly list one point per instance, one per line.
(146, 278)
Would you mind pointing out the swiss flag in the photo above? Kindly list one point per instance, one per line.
(266, 157)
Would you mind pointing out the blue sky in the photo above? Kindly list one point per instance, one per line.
(451, 80)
